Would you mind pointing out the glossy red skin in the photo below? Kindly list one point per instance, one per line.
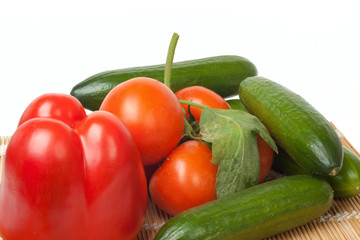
(203, 96)
(151, 112)
(266, 155)
(56, 106)
(186, 179)
(81, 183)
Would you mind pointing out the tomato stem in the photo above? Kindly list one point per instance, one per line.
(192, 104)
(190, 132)
(169, 59)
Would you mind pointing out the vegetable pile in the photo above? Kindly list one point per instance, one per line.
(199, 136)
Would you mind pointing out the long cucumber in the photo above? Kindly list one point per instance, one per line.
(221, 74)
(254, 213)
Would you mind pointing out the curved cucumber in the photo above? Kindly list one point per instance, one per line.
(221, 74)
(295, 125)
(345, 184)
(254, 213)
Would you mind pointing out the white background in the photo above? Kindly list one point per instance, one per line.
(309, 46)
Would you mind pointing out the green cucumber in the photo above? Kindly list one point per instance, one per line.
(221, 74)
(345, 184)
(294, 124)
(257, 212)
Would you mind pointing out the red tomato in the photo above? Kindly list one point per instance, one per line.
(203, 96)
(186, 179)
(266, 155)
(151, 112)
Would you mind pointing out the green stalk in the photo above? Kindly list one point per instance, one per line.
(169, 59)
(193, 104)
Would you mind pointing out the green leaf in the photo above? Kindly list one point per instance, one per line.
(233, 134)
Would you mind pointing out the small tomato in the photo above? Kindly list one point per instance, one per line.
(203, 96)
(186, 179)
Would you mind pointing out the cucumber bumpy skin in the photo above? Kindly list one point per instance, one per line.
(257, 212)
(294, 124)
(221, 74)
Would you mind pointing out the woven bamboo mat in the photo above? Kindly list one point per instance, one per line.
(341, 222)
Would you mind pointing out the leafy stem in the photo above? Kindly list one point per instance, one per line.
(233, 135)
(190, 132)
(169, 59)
(193, 104)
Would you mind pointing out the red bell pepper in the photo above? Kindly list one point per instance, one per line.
(71, 176)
